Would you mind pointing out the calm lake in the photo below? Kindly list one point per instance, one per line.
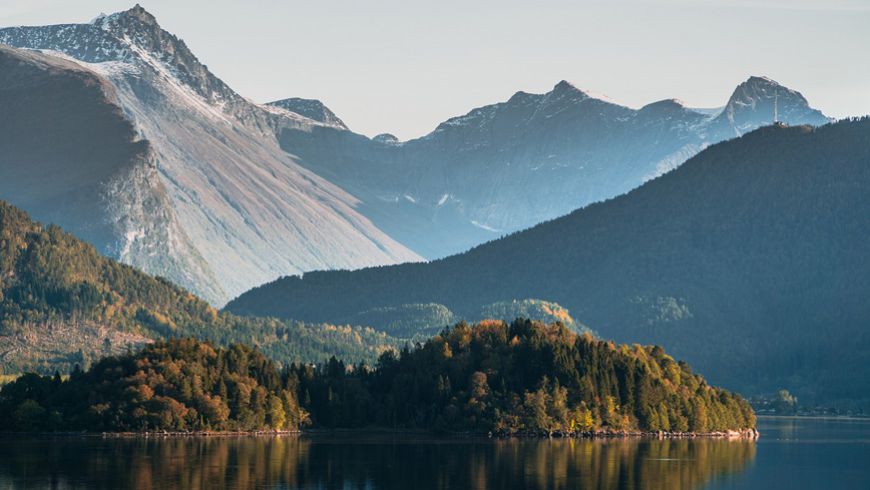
(792, 453)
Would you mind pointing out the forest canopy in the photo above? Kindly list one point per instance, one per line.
(490, 376)
(522, 376)
(175, 385)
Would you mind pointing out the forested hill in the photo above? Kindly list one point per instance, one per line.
(61, 304)
(749, 261)
(182, 384)
(522, 376)
(526, 376)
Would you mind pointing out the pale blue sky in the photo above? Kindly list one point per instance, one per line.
(404, 66)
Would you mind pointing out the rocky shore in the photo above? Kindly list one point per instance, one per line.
(751, 433)
(203, 433)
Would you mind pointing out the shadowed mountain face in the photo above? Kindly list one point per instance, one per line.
(511, 165)
(44, 98)
(70, 156)
(749, 261)
(121, 135)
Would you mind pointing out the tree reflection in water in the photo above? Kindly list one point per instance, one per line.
(367, 461)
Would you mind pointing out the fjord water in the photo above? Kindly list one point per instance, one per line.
(792, 453)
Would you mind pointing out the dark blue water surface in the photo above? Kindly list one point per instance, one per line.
(807, 453)
(792, 453)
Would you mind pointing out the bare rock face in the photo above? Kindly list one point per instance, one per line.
(179, 175)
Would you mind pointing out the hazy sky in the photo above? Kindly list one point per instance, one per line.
(404, 66)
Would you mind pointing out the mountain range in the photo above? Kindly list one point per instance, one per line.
(115, 131)
(508, 166)
(749, 261)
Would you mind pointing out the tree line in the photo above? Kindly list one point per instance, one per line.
(490, 376)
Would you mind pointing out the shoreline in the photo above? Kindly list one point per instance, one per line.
(865, 418)
(603, 434)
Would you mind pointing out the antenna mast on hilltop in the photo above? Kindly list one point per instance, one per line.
(776, 106)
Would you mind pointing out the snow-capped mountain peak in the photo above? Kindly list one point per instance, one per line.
(566, 87)
(137, 14)
(310, 108)
(670, 103)
(566, 93)
(133, 36)
(762, 81)
(761, 100)
(756, 89)
(670, 108)
(139, 27)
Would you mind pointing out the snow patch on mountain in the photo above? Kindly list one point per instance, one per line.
(387, 139)
(484, 226)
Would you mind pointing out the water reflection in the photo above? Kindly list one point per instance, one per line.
(367, 462)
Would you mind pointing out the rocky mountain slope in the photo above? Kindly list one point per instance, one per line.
(184, 179)
(749, 261)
